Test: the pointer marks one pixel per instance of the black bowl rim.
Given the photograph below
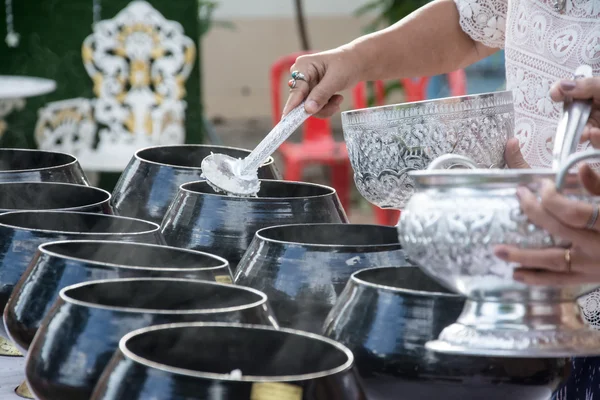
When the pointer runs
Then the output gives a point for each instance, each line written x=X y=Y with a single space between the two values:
x=226 y=377
x=43 y=250
x=86 y=187
x=73 y=161
x=155 y=226
x=360 y=282
x=64 y=296
x=137 y=156
x=258 y=235
x=331 y=190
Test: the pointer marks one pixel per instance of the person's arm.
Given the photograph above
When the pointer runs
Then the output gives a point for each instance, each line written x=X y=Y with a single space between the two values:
x=430 y=41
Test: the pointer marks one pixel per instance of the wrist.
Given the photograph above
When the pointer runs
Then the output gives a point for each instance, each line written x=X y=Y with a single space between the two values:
x=361 y=55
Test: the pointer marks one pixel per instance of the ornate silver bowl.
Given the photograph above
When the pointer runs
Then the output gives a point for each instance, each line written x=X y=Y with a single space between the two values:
x=450 y=227
x=385 y=143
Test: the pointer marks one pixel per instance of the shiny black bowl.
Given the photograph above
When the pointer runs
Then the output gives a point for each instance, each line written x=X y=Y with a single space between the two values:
x=21 y=233
x=201 y=219
x=156 y=363
x=26 y=165
x=153 y=176
x=53 y=196
x=83 y=329
x=57 y=265
x=303 y=268
x=386 y=315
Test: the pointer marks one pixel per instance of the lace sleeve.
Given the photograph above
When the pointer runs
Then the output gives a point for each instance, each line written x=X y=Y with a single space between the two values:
x=484 y=20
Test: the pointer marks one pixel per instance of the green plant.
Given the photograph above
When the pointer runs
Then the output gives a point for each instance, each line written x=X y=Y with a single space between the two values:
x=206 y=9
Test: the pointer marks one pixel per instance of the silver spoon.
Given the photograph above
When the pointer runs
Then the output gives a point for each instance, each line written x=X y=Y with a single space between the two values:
x=571 y=126
x=239 y=177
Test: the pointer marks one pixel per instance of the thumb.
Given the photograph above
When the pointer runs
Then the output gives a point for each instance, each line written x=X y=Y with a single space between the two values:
x=512 y=155
x=590 y=179
x=321 y=94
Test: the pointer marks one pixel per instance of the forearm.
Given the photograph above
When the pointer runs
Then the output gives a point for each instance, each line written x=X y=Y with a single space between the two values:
x=428 y=42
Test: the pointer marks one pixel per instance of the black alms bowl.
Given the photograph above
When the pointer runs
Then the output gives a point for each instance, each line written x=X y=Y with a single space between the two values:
x=153 y=176
x=304 y=268
x=201 y=219
x=203 y=361
x=386 y=315
x=57 y=265
x=83 y=329
x=22 y=232
x=27 y=165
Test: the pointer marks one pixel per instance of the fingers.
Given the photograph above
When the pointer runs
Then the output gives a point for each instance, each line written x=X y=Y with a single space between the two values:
x=299 y=92
x=331 y=108
x=590 y=179
x=544 y=278
x=512 y=155
x=585 y=88
x=547 y=259
x=323 y=93
x=574 y=213
x=543 y=219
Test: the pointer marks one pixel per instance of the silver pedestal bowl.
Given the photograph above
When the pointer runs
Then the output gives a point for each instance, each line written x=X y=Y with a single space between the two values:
x=385 y=143
x=450 y=227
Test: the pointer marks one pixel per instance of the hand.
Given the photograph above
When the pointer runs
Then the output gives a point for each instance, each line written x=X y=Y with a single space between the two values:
x=512 y=155
x=586 y=88
x=326 y=73
x=564 y=218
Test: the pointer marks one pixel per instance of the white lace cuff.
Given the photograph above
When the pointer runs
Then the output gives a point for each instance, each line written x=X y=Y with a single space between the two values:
x=484 y=20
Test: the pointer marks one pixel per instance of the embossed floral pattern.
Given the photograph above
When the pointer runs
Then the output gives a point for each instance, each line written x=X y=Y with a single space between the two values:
x=384 y=144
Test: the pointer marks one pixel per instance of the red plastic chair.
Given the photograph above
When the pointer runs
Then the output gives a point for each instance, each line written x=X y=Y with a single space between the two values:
x=317 y=146
x=414 y=90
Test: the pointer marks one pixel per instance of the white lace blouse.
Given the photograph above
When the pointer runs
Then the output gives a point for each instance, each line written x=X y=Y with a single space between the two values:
x=541 y=45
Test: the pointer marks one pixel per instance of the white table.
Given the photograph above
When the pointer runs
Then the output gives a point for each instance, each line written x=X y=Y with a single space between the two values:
x=15 y=89
x=12 y=374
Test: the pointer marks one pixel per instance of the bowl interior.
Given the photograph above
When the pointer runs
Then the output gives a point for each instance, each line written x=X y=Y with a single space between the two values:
x=75 y=222
x=133 y=255
x=157 y=294
x=20 y=160
x=48 y=196
x=409 y=278
x=333 y=234
x=221 y=350
x=269 y=189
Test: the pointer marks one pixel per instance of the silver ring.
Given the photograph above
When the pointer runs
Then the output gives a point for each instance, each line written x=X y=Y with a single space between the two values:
x=593 y=218
x=298 y=76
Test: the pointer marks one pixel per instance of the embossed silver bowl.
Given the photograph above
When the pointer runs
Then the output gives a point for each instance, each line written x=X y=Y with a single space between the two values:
x=450 y=227
x=385 y=143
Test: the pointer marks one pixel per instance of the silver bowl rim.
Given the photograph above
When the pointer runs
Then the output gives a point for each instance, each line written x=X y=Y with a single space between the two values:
x=330 y=189
x=43 y=249
x=227 y=377
x=261 y=297
x=138 y=157
x=260 y=232
x=455 y=99
x=155 y=226
x=421 y=293
x=457 y=178
x=73 y=160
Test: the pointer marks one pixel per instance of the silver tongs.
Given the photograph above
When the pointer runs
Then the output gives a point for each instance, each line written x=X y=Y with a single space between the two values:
x=570 y=129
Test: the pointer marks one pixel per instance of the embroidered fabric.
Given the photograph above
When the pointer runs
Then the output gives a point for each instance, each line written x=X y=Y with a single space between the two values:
x=541 y=46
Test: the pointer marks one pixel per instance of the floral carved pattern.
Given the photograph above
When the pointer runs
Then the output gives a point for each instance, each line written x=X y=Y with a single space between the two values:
x=384 y=144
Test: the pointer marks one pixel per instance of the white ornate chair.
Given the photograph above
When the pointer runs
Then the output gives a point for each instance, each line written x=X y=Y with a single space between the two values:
x=139 y=63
